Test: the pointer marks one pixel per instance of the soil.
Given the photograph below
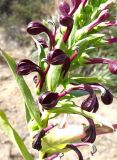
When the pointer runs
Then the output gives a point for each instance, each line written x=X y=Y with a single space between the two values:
x=11 y=103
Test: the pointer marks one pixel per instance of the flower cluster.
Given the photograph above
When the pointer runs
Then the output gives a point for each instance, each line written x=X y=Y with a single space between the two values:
x=61 y=56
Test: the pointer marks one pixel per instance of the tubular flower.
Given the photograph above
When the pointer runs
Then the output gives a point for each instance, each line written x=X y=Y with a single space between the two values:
x=84 y=2
x=102 y=17
x=110 y=23
x=112 y=64
x=64 y=8
x=66 y=21
x=58 y=57
x=37 y=138
x=48 y=100
x=26 y=66
x=90 y=132
x=35 y=28
x=75 y=4
x=112 y=40
x=42 y=42
x=106 y=95
x=74 y=148
x=91 y=103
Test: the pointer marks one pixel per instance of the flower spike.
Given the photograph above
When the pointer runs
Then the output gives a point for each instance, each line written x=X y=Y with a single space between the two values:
x=35 y=28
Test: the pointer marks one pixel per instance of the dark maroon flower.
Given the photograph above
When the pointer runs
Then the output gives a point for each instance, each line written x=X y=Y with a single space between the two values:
x=26 y=66
x=74 y=148
x=58 y=57
x=90 y=132
x=102 y=17
x=107 y=97
x=35 y=28
x=111 y=23
x=75 y=4
x=91 y=103
x=48 y=100
x=42 y=42
x=113 y=66
x=66 y=21
x=112 y=40
x=37 y=138
x=64 y=8
x=84 y=2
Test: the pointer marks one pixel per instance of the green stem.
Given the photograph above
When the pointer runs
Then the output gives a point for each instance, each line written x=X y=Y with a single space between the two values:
x=41 y=155
x=45 y=118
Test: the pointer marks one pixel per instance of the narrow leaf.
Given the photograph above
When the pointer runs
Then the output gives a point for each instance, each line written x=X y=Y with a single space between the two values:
x=13 y=136
x=28 y=98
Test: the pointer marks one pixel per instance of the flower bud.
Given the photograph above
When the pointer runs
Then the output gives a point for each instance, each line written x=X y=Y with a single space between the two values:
x=48 y=100
x=35 y=28
x=112 y=40
x=64 y=8
x=113 y=66
x=103 y=15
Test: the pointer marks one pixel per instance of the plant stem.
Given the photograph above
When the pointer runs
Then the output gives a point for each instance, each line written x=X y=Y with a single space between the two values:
x=45 y=117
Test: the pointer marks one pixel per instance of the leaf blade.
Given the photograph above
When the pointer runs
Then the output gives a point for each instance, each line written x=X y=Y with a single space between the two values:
x=28 y=98
x=14 y=137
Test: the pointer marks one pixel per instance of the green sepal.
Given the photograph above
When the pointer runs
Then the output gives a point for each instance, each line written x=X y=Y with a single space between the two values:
x=53 y=77
x=13 y=136
x=86 y=80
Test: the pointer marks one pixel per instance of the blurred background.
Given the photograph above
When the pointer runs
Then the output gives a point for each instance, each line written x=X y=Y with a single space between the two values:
x=14 y=17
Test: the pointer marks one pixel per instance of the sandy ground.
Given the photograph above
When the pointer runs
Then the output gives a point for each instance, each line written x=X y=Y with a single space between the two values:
x=11 y=102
